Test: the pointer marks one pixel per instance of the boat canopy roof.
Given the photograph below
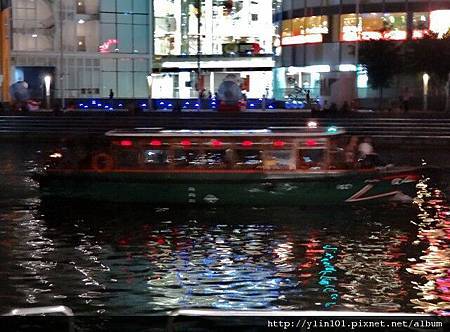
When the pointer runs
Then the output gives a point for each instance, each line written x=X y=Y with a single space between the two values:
x=269 y=132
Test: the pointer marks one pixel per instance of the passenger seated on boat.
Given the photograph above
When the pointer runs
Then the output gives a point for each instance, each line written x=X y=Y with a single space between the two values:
x=77 y=154
x=370 y=161
x=155 y=158
x=185 y=158
x=248 y=159
x=310 y=159
x=351 y=151
x=279 y=160
x=215 y=159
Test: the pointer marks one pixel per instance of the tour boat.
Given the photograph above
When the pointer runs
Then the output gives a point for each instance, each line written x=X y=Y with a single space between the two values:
x=297 y=166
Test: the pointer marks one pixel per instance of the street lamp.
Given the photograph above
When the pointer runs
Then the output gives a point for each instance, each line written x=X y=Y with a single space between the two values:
x=47 y=83
x=425 y=78
x=149 y=84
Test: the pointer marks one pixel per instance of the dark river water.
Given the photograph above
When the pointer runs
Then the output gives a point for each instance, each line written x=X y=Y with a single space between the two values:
x=128 y=260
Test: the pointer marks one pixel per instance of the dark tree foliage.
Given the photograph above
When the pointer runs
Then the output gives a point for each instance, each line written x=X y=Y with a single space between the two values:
x=382 y=60
x=429 y=55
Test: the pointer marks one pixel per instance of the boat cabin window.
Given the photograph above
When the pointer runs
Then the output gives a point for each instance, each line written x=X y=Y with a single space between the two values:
x=216 y=159
x=200 y=159
x=187 y=158
x=311 y=159
x=279 y=159
x=127 y=158
x=248 y=159
x=155 y=158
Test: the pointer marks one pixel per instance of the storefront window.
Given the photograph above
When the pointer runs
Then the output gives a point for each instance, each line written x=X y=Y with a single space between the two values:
x=439 y=22
x=222 y=23
x=421 y=24
x=303 y=30
x=389 y=26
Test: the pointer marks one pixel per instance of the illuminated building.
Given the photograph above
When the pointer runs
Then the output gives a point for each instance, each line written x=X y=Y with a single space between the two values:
x=116 y=44
x=272 y=45
x=318 y=42
x=103 y=45
x=235 y=37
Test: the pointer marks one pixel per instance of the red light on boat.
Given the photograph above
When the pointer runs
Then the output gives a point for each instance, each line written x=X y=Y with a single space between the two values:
x=155 y=142
x=279 y=144
x=247 y=143
x=311 y=142
x=216 y=143
x=126 y=142
x=186 y=142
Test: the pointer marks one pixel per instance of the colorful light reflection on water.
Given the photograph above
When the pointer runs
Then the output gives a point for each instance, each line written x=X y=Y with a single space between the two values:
x=433 y=238
x=103 y=259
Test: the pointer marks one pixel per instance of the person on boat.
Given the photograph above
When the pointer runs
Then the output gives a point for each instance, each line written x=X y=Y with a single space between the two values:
x=367 y=156
x=351 y=151
x=365 y=148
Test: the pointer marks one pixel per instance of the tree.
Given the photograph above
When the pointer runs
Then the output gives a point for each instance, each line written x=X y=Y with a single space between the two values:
x=431 y=55
x=382 y=60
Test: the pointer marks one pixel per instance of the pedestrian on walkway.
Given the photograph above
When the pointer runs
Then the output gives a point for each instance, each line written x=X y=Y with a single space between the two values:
x=405 y=100
x=111 y=94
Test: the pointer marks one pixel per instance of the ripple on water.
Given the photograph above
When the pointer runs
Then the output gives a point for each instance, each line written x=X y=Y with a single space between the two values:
x=114 y=259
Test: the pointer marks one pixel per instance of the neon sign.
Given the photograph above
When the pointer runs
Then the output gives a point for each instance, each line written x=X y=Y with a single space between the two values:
x=104 y=48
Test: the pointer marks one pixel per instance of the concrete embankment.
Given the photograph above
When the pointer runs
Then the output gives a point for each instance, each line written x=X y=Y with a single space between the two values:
x=392 y=130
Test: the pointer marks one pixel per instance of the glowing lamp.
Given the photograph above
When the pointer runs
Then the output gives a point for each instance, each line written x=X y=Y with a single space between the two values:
x=279 y=144
x=186 y=142
x=56 y=155
x=216 y=143
x=332 y=129
x=155 y=142
x=126 y=143
x=312 y=124
x=311 y=142
x=47 y=81
x=247 y=144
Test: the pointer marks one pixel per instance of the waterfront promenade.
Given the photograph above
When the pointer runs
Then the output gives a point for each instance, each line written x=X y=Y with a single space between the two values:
x=394 y=126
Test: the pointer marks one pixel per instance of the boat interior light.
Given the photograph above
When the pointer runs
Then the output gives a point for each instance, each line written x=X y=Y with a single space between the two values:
x=311 y=142
x=279 y=144
x=216 y=143
x=247 y=143
x=155 y=142
x=186 y=142
x=126 y=142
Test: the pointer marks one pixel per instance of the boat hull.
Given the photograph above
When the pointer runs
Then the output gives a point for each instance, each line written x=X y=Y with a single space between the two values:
x=231 y=188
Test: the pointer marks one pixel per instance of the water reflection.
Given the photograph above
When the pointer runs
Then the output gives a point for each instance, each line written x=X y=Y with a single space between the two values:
x=116 y=259
x=433 y=264
x=138 y=260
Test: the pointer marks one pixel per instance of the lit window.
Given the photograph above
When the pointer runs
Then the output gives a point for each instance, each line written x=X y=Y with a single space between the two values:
x=303 y=30
x=154 y=158
x=389 y=26
x=440 y=22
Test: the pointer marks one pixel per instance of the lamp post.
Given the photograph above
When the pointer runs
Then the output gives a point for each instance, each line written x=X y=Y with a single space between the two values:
x=199 y=51
x=149 y=84
x=425 y=78
x=61 y=54
x=47 y=83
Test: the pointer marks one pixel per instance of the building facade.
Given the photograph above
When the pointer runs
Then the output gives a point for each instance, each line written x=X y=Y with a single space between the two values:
x=224 y=36
x=88 y=47
x=318 y=41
